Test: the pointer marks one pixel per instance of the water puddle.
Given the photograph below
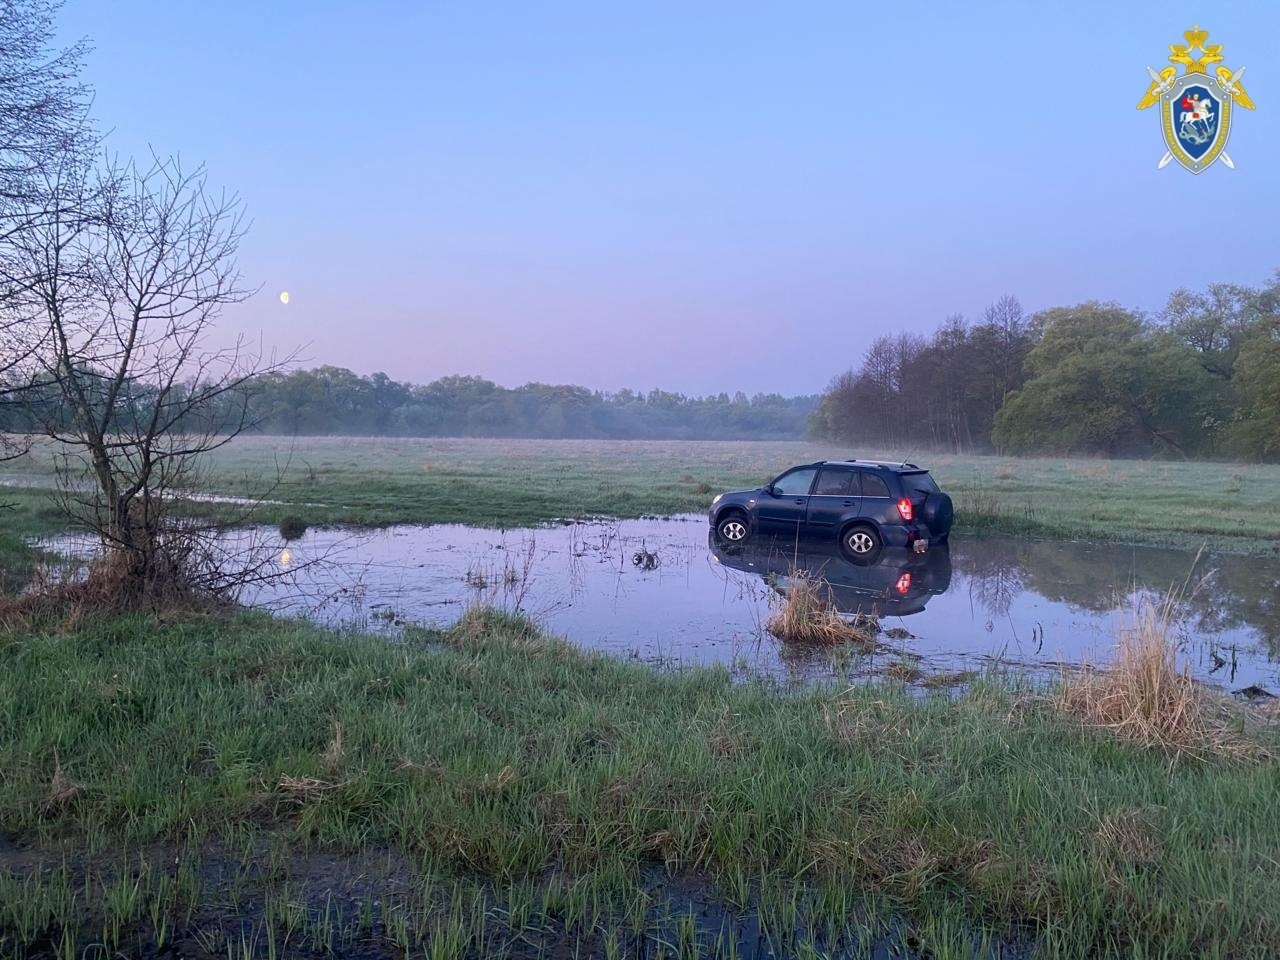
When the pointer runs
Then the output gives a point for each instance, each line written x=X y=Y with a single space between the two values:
x=660 y=591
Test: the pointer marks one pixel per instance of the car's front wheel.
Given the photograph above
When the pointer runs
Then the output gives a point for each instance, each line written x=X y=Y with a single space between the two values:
x=733 y=528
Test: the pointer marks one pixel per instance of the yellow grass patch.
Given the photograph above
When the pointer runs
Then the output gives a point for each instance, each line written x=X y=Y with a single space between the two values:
x=1145 y=697
x=807 y=615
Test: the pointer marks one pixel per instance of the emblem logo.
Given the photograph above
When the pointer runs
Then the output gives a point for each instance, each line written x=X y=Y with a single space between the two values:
x=1195 y=108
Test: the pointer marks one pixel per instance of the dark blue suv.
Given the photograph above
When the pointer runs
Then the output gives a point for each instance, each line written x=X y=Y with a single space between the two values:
x=864 y=505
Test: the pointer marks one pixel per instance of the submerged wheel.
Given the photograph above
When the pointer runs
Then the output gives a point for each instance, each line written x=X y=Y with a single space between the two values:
x=861 y=542
x=733 y=528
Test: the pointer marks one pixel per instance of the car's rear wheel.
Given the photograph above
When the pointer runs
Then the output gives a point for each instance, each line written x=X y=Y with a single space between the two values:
x=733 y=528
x=861 y=542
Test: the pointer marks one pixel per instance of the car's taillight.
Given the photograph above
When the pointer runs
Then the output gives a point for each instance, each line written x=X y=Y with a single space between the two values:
x=904 y=583
x=904 y=508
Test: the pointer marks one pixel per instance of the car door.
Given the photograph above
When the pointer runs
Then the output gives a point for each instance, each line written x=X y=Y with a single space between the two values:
x=876 y=503
x=834 y=496
x=782 y=507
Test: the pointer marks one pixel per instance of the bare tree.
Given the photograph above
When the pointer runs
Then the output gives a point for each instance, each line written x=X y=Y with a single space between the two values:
x=1001 y=344
x=43 y=126
x=127 y=280
x=43 y=104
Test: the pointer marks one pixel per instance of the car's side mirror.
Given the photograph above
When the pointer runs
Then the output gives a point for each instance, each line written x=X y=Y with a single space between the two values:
x=771 y=490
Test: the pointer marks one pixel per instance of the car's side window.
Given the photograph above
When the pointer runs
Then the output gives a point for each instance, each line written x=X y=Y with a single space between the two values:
x=796 y=483
x=874 y=486
x=833 y=482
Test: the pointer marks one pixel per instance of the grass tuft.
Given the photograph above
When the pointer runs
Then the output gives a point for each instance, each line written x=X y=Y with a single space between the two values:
x=1146 y=698
x=292 y=527
x=904 y=671
x=302 y=789
x=63 y=791
x=808 y=616
x=112 y=584
x=1127 y=837
x=336 y=752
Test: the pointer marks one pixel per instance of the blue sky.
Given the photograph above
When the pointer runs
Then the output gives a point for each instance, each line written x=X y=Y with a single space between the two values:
x=692 y=196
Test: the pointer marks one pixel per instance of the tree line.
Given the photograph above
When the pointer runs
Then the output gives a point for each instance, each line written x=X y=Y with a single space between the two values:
x=1201 y=378
x=329 y=400
x=332 y=400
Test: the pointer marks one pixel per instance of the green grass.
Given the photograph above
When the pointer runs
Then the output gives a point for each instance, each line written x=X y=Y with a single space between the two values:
x=1230 y=507
x=246 y=787
x=23 y=514
x=537 y=783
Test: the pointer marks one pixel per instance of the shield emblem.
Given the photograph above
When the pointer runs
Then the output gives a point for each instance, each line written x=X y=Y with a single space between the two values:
x=1196 y=120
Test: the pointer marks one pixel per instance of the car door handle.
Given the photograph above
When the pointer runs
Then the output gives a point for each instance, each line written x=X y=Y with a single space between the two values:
x=799 y=499
x=847 y=503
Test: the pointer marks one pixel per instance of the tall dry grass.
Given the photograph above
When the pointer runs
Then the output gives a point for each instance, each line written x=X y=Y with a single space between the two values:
x=187 y=574
x=1144 y=696
x=808 y=616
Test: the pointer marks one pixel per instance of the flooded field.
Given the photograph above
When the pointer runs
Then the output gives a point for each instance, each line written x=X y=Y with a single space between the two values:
x=660 y=591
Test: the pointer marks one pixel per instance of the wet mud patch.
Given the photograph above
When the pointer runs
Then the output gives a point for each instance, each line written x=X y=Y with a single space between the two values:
x=271 y=901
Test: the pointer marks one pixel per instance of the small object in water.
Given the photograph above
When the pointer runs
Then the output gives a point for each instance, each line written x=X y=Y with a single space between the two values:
x=899 y=633
x=292 y=528
x=644 y=559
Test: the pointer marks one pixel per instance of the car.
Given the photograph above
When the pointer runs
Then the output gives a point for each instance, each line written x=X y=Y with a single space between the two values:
x=863 y=505
x=897 y=583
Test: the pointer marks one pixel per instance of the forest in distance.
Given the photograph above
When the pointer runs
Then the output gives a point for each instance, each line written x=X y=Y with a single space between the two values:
x=334 y=401
x=331 y=400
x=1200 y=379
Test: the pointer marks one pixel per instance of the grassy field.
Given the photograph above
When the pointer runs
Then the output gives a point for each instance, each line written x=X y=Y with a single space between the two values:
x=231 y=785
x=223 y=785
x=510 y=482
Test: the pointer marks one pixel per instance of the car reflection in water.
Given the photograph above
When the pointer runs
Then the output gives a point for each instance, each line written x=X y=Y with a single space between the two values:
x=894 y=583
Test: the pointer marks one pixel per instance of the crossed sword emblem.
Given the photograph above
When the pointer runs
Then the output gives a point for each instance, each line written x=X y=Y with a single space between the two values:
x=1229 y=84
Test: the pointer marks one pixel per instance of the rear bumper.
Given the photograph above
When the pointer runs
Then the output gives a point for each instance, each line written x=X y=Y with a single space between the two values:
x=906 y=535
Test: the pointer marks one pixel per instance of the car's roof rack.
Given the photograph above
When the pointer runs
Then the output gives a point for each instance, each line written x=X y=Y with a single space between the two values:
x=899 y=465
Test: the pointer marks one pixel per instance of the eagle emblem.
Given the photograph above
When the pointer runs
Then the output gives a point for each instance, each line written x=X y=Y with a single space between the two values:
x=1195 y=108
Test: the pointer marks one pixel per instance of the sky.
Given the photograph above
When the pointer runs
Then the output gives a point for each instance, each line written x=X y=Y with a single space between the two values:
x=694 y=197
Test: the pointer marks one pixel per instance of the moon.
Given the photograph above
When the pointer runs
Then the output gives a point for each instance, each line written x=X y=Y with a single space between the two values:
x=284 y=296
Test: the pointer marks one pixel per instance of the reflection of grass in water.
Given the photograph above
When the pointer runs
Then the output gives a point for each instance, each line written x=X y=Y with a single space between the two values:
x=506 y=586
x=23 y=514
x=523 y=778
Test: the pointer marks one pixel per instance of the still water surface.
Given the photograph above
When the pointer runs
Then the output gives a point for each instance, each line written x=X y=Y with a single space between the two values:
x=659 y=590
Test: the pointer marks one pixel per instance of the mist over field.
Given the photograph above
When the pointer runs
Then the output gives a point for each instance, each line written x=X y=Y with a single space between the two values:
x=1196 y=381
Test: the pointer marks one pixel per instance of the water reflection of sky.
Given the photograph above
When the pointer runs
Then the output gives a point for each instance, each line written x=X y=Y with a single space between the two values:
x=1029 y=602
x=1025 y=601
